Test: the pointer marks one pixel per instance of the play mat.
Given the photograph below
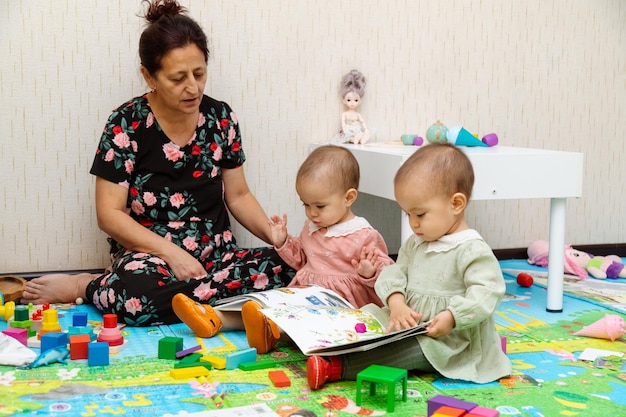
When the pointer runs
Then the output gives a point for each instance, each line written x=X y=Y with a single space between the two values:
x=549 y=377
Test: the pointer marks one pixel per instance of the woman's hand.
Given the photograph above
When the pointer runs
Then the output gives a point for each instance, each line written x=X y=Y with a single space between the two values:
x=441 y=325
x=402 y=316
x=278 y=229
x=184 y=266
x=368 y=264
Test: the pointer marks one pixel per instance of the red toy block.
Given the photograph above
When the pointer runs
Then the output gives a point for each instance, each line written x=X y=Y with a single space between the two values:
x=279 y=379
x=446 y=411
x=79 y=346
x=21 y=335
x=483 y=412
x=439 y=401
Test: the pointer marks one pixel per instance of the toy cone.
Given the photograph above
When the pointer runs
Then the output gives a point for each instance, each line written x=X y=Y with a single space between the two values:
x=611 y=327
x=465 y=138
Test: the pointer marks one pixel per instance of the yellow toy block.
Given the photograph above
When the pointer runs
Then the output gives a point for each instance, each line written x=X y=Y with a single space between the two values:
x=218 y=363
x=191 y=372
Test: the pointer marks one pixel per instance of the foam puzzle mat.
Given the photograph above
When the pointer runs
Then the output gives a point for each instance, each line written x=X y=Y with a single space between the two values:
x=549 y=377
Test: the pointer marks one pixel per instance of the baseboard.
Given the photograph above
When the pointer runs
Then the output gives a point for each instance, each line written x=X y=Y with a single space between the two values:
x=618 y=249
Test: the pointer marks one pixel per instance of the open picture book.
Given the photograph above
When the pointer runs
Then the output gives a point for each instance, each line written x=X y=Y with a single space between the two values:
x=320 y=321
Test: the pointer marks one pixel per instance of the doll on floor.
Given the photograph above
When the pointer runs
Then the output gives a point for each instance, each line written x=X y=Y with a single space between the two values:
x=352 y=90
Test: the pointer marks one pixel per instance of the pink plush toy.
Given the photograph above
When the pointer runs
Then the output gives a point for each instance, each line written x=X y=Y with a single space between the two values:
x=578 y=262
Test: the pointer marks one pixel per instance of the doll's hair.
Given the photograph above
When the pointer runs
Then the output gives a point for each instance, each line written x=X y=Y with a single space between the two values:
x=352 y=82
x=332 y=165
x=442 y=166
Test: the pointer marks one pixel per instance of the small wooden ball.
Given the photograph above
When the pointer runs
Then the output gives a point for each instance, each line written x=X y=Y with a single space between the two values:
x=524 y=280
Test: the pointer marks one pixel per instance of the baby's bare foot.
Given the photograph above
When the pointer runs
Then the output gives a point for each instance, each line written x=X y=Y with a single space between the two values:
x=56 y=288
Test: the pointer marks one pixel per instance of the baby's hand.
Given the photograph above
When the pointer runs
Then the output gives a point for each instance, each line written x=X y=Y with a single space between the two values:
x=402 y=317
x=441 y=325
x=368 y=264
x=278 y=229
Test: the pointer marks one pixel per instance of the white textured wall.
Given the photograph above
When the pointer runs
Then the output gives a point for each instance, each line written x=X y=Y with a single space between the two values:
x=541 y=73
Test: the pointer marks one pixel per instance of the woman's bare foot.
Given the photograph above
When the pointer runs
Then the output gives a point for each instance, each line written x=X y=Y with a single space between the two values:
x=56 y=288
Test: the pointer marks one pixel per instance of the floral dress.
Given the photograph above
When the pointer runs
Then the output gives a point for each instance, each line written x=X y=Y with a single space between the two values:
x=177 y=193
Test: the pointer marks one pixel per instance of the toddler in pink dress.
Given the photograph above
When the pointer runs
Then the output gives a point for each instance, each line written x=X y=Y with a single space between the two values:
x=335 y=249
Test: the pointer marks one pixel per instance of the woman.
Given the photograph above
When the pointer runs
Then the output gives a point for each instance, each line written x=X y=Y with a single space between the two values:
x=168 y=171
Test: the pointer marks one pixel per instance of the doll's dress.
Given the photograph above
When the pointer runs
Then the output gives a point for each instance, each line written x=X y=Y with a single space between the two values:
x=353 y=128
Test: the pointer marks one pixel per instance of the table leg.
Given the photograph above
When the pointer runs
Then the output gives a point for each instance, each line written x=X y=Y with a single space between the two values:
x=556 y=257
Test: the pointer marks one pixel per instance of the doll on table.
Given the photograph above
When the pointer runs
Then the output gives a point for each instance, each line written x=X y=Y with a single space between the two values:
x=353 y=128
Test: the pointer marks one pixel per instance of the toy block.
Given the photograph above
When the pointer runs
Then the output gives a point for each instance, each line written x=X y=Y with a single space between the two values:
x=447 y=411
x=79 y=346
x=51 y=340
x=21 y=313
x=98 y=353
x=79 y=319
x=217 y=362
x=190 y=372
x=503 y=343
x=50 y=322
x=6 y=310
x=386 y=375
x=185 y=352
x=180 y=365
x=483 y=412
x=254 y=365
x=110 y=331
x=88 y=330
x=21 y=324
x=279 y=378
x=21 y=335
x=168 y=346
x=191 y=358
x=234 y=359
x=439 y=401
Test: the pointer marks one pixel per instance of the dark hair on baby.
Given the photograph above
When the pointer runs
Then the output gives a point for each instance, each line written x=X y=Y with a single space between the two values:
x=168 y=28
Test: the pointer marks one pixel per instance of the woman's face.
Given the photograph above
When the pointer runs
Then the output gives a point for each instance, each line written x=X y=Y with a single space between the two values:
x=179 y=84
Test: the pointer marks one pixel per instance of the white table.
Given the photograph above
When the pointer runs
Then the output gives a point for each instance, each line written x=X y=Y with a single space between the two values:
x=501 y=173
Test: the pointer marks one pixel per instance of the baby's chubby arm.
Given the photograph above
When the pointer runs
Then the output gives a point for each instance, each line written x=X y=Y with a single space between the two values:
x=278 y=229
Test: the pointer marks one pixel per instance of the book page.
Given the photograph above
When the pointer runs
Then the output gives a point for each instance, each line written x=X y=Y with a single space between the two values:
x=309 y=295
x=332 y=330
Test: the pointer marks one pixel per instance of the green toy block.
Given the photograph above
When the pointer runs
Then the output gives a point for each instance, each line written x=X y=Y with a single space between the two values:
x=168 y=346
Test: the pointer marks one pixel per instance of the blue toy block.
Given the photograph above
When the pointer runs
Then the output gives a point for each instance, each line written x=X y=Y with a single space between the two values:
x=52 y=340
x=79 y=319
x=439 y=401
x=234 y=359
x=98 y=354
